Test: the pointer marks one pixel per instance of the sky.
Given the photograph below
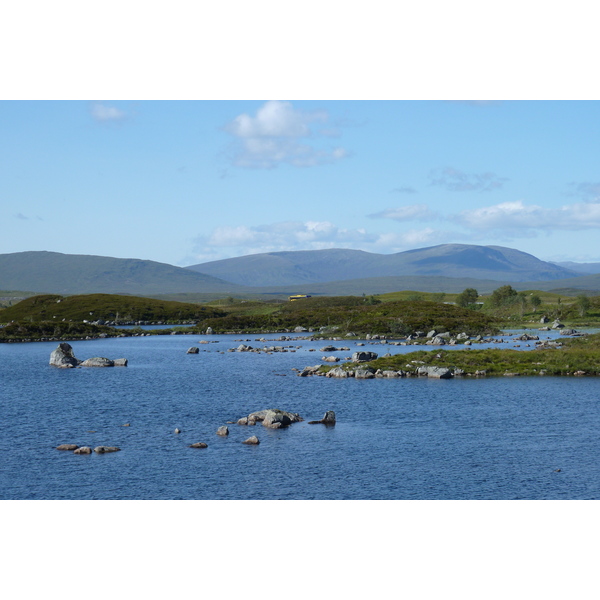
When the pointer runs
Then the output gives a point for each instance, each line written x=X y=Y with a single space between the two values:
x=186 y=182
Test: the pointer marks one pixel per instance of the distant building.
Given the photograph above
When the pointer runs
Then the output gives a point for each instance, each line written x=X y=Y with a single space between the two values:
x=298 y=297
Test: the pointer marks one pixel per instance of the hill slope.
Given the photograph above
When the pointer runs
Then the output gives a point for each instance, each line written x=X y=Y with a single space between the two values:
x=56 y=273
x=319 y=266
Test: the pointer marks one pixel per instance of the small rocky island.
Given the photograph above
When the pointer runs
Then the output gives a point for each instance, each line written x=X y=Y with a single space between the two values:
x=63 y=358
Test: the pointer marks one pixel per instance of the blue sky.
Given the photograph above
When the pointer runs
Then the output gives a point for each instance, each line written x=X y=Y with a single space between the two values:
x=184 y=182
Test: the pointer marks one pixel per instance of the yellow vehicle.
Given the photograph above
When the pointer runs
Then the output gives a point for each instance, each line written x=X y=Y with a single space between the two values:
x=298 y=297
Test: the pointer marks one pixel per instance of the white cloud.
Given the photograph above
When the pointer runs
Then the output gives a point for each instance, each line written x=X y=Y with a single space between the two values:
x=224 y=242
x=278 y=134
x=103 y=113
x=514 y=216
x=412 y=212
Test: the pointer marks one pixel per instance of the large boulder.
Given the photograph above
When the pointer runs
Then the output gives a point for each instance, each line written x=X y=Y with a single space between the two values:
x=98 y=361
x=337 y=372
x=435 y=372
x=274 y=418
x=63 y=357
x=363 y=356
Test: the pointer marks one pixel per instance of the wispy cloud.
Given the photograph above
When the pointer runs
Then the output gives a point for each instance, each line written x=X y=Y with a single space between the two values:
x=404 y=190
x=522 y=219
x=412 y=212
x=23 y=217
x=586 y=190
x=104 y=113
x=280 y=134
x=454 y=180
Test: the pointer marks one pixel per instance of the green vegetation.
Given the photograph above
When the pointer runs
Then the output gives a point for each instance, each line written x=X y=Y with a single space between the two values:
x=467 y=298
x=353 y=314
x=576 y=356
x=105 y=307
x=44 y=330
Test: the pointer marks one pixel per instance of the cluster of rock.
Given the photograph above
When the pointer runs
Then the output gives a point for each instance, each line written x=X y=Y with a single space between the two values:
x=64 y=358
x=272 y=418
x=367 y=372
x=266 y=349
x=86 y=449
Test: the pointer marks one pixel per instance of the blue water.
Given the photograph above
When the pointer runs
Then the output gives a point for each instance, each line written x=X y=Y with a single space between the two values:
x=502 y=438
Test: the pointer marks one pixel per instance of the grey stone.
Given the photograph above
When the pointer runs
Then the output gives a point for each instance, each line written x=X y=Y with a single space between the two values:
x=193 y=350
x=83 y=450
x=435 y=372
x=328 y=419
x=199 y=445
x=274 y=418
x=223 y=430
x=105 y=449
x=253 y=441
x=363 y=356
x=337 y=372
x=67 y=447
x=63 y=357
x=98 y=361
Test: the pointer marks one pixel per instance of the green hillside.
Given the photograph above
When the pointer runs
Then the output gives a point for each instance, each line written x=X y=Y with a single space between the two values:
x=107 y=307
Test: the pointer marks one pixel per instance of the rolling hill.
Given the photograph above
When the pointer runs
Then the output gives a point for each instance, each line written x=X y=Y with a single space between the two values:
x=56 y=273
x=448 y=268
x=320 y=266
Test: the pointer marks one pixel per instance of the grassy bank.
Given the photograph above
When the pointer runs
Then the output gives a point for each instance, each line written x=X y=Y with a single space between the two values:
x=576 y=356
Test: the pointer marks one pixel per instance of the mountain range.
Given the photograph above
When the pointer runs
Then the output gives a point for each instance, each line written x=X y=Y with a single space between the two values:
x=448 y=267
x=447 y=260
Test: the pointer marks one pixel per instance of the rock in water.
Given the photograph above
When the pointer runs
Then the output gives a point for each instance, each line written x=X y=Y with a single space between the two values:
x=199 y=445
x=274 y=418
x=193 y=350
x=98 y=361
x=104 y=449
x=69 y=447
x=223 y=430
x=328 y=419
x=252 y=441
x=63 y=357
x=83 y=450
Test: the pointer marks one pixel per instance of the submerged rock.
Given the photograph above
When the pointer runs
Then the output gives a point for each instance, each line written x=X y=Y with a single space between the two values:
x=67 y=447
x=252 y=441
x=328 y=419
x=98 y=361
x=199 y=445
x=105 y=449
x=274 y=418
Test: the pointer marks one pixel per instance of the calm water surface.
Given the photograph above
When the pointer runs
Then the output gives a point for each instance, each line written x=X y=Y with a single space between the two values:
x=411 y=438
